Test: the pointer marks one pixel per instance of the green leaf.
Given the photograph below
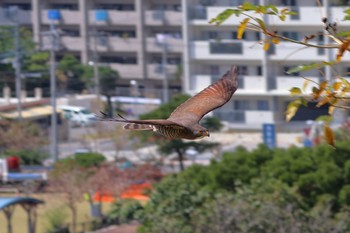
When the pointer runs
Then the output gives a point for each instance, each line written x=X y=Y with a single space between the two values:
x=223 y=16
x=261 y=23
x=242 y=27
x=293 y=107
x=295 y=91
x=309 y=67
x=347 y=14
x=329 y=135
x=247 y=6
x=273 y=8
x=344 y=33
x=325 y=118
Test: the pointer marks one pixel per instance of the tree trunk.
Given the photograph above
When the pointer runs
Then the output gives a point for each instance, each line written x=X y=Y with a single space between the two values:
x=74 y=218
x=109 y=106
x=181 y=159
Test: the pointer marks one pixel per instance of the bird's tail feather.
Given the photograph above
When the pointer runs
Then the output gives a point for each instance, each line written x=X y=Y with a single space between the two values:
x=133 y=126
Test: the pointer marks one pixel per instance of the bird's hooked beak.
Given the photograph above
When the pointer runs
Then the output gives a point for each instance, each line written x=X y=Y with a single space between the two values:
x=201 y=133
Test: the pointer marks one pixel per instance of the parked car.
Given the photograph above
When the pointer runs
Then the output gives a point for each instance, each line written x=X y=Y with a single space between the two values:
x=78 y=115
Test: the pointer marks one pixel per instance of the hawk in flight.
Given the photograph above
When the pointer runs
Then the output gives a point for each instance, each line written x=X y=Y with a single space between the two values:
x=184 y=120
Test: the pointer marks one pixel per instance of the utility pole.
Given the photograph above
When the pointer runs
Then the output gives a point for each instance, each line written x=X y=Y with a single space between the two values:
x=96 y=72
x=53 y=41
x=161 y=38
x=53 y=93
x=17 y=65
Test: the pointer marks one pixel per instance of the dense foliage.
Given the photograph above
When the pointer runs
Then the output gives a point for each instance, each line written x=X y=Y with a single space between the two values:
x=86 y=160
x=281 y=190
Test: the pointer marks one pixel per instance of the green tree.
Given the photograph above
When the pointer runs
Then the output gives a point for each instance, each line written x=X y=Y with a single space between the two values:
x=125 y=210
x=31 y=59
x=21 y=136
x=171 y=206
x=86 y=159
x=29 y=157
x=108 y=79
x=69 y=72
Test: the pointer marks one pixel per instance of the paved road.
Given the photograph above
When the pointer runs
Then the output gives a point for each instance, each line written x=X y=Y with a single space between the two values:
x=107 y=146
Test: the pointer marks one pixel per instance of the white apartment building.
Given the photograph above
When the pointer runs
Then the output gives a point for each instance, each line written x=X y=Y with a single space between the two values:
x=263 y=93
x=127 y=32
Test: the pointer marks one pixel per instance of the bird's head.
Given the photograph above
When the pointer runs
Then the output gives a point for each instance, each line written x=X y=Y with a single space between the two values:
x=201 y=133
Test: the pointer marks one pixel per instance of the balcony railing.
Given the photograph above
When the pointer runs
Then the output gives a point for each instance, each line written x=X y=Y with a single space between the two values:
x=115 y=17
x=173 y=45
x=226 y=50
x=66 y=17
x=110 y=43
x=247 y=84
x=155 y=71
x=132 y=71
x=158 y=17
x=285 y=83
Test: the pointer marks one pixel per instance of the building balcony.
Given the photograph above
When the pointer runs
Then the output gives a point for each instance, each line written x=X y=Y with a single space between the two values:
x=24 y=17
x=226 y=50
x=155 y=71
x=251 y=85
x=292 y=52
x=127 y=71
x=246 y=84
x=71 y=43
x=285 y=83
x=158 y=17
x=8 y=16
x=174 y=45
x=116 y=44
x=258 y=117
x=67 y=17
x=253 y=118
x=115 y=17
x=306 y=16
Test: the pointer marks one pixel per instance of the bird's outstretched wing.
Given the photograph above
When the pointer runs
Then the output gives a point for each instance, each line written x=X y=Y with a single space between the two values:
x=137 y=124
x=212 y=97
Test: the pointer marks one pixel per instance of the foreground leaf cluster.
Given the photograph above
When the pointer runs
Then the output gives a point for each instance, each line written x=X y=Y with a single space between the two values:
x=282 y=190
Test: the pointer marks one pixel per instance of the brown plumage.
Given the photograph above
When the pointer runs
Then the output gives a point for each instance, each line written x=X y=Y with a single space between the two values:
x=184 y=120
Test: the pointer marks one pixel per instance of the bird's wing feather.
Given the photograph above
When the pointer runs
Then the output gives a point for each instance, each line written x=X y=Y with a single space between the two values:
x=212 y=97
x=137 y=124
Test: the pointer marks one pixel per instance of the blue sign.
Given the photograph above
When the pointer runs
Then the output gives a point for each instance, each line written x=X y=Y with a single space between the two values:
x=54 y=15
x=101 y=15
x=269 y=135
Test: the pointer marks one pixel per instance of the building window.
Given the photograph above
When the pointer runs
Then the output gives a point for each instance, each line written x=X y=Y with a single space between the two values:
x=21 y=6
x=120 y=59
x=226 y=48
x=241 y=105
x=234 y=35
x=214 y=70
x=291 y=35
x=242 y=70
x=213 y=35
x=289 y=2
x=118 y=7
x=286 y=69
x=259 y=70
x=73 y=7
x=263 y=105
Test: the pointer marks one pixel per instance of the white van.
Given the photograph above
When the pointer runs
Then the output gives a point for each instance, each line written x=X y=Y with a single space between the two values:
x=78 y=115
